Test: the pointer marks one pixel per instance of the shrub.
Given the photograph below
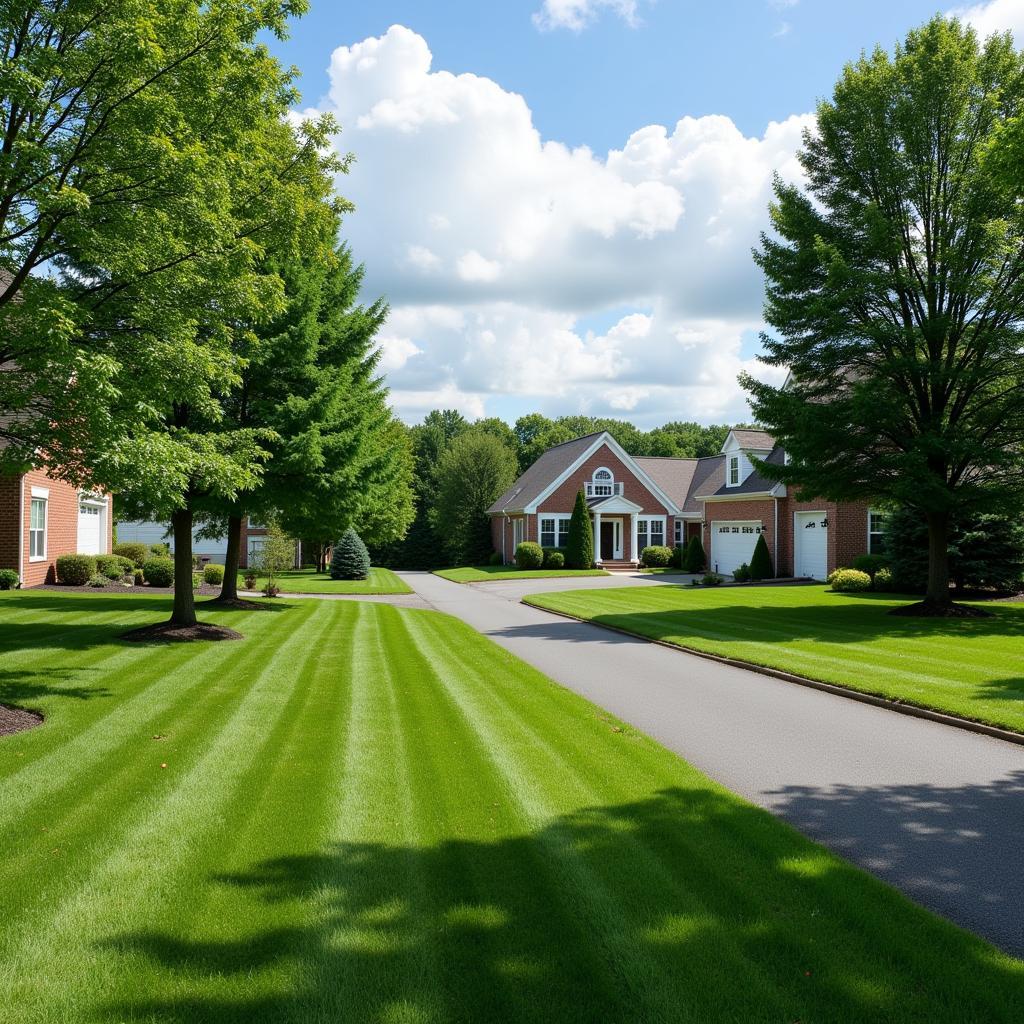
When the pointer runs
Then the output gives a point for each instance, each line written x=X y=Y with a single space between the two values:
x=350 y=560
x=114 y=566
x=250 y=580
x=741 y=574
x=554 y=560
x=139 y=577
x=159 y=572
x=161 y=550
x=75 y=570
x=761 y=562
x=695 y=560
x=850 y=581
x=883 y=580
x=495 y=558
x=98 y=580
x=213 y=574
x=870 y=564
x=712 y=579
x=656 y=556
x=579 y=549
x=678 y=556
x=134 y=551
x=529 y=555
x=8 y=579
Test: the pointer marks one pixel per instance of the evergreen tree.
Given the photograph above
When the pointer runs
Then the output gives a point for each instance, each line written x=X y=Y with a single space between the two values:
x=695 y=560
x=350 y=560
x=579 y=550
x=761 y=561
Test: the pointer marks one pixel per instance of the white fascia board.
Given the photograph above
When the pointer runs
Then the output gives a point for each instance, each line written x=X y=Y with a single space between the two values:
x=746 y=496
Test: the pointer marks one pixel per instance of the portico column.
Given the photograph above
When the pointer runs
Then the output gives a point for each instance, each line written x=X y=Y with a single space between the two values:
x=597 y=538
x=633 y=553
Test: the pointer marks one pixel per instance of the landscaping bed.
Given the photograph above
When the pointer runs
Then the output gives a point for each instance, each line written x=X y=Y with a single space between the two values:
x=973 y=668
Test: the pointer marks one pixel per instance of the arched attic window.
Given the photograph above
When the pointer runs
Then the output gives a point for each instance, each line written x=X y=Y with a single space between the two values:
x=602 y=483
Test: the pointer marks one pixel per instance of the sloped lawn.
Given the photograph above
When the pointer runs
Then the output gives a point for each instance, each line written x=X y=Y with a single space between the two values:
x=483 y=573
x=970 y=667
x=308 y=581
x=363 y=813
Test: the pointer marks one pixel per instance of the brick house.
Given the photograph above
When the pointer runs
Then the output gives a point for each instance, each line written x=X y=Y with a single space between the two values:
x=42 y=518
x=636 y=501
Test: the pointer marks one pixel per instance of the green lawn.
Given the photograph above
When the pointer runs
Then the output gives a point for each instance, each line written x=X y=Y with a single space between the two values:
x=308 y=581
x=371 y=814
x=481 y=573
x=971 y=667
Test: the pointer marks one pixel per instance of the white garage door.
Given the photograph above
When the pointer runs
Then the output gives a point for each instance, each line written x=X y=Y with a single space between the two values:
x=90 y=530
x=732 y=544
x=810 y=545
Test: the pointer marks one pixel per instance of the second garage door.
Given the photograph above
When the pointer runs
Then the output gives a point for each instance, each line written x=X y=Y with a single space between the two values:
x=732 y=544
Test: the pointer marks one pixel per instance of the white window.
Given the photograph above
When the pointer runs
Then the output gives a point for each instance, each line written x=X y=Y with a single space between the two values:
x=554 y=531
x=517 y=532
x=603 y=485
x=734 y=470
x=876 y=532
x=650 y=530
x=37 y=529
x=678 y=532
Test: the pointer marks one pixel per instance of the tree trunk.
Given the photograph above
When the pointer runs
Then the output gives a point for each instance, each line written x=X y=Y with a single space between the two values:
x=229 y=588
x=938 y=559
x=184 y=611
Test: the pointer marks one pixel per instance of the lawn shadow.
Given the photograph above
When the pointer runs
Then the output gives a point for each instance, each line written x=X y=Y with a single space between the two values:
x=17 y=687
x=687 y=905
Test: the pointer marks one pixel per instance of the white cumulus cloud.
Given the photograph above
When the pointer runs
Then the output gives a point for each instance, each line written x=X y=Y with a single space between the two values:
x=995 y=16
x=498 y=249
x=576 y=15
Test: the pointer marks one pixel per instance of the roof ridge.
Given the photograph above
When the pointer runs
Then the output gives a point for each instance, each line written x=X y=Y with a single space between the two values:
x=573 y=440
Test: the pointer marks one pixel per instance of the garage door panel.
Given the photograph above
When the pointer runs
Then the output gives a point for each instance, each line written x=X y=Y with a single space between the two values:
x=810 y=544
x=90 y=530
x=732 y=544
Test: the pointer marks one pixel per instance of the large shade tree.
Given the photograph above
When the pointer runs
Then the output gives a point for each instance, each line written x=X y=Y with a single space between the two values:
x=895 y=284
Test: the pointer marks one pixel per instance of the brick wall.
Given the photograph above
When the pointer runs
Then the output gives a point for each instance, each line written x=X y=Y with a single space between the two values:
x=564 y=497
x=757 y=510
x=500 y=525
x=10 y=488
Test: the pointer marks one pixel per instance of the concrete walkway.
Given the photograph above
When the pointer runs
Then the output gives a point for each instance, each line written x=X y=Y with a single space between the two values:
x=935 y=811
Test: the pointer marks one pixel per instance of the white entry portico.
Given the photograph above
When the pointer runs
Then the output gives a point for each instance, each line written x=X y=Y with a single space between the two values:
x=611 y=513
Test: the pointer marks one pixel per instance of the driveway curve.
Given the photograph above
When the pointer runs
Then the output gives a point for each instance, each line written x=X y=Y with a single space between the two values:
x=933 y=810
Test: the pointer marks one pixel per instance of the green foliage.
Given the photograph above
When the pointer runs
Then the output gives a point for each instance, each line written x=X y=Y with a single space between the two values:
x=75 y=570
x=712 y=579
x=656 y=556
x=350 y=560
x=695 y=560
x=529 y=555
x=761 y=561
x=883 y=580
x=8 y=579
x=870 y=564
x=138 y=576
x=579 y=548
x=475 y=469
x=162 y=550
x=849 y=581
x=554 y=558
x=678 y=556
x=741 y=574
x=98 y=580
x=159 y=572
x=495 y=558
x=277 y=554
x=134 y=551
x=893 y=284
x=213 y=574
x=114 y=567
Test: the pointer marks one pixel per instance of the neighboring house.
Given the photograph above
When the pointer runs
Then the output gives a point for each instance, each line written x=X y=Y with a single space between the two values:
x=42 y=518
x=636 y=501
x=210 y=549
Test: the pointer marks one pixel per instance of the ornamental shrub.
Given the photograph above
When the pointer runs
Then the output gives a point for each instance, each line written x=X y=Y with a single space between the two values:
x=135 y=551
x=75 y=570
x=98 y=580
x=850 y=581
x=114 y=566
x=712 y=579
x=139 y=577
x=495 y=558
x=761 y=562
x=529 y=555
x=741 y=574
x=554 y=560
x=695 y=560
x=159 y=572
x=162 y=550
x=350 y=560
x=656 y=556
x=883 y=580
x=8 y=579
x=579 y=549
x=213 y=574
x=870 y=564
x=678 y=556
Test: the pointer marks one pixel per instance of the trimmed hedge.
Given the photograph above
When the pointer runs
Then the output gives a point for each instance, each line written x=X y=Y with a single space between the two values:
x=529 y=555
x=114 y=566
x=75 y=570
x=656 y=556
x=159 y=572
x=870 y=564
x=8 y=579
x=554 y=560
x=135 y=551
x=849 y=581
x=213 y=574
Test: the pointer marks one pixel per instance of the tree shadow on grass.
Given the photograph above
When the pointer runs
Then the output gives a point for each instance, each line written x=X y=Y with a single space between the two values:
x=688 y=905
x=21 y=688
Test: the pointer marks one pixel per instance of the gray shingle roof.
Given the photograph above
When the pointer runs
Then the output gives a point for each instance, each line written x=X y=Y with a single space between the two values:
x=673 y=476
x=759 y=440
x=554 y=461
x=754 y=484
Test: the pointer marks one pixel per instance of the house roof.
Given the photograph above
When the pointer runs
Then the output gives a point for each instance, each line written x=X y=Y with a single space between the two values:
x=531 y=483
x=754 y=484
x=760 y=440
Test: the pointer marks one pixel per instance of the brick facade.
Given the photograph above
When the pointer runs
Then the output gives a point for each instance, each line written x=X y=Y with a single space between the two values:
x=62 y=502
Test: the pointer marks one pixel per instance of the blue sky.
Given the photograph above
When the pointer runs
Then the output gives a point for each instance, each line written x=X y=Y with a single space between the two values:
x=559 y=197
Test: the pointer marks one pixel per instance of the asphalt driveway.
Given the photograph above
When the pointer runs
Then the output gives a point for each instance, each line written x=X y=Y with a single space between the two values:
x=935 y=811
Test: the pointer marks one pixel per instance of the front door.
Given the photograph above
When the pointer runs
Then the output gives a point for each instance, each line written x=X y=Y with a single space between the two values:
x=607 y=541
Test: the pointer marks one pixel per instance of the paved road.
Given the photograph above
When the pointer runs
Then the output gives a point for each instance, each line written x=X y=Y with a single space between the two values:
x=936 y=811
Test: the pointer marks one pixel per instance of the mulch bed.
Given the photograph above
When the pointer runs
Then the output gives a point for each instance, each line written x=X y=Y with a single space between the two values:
x=168 y=632
x=14 y=720
x=927 y=610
